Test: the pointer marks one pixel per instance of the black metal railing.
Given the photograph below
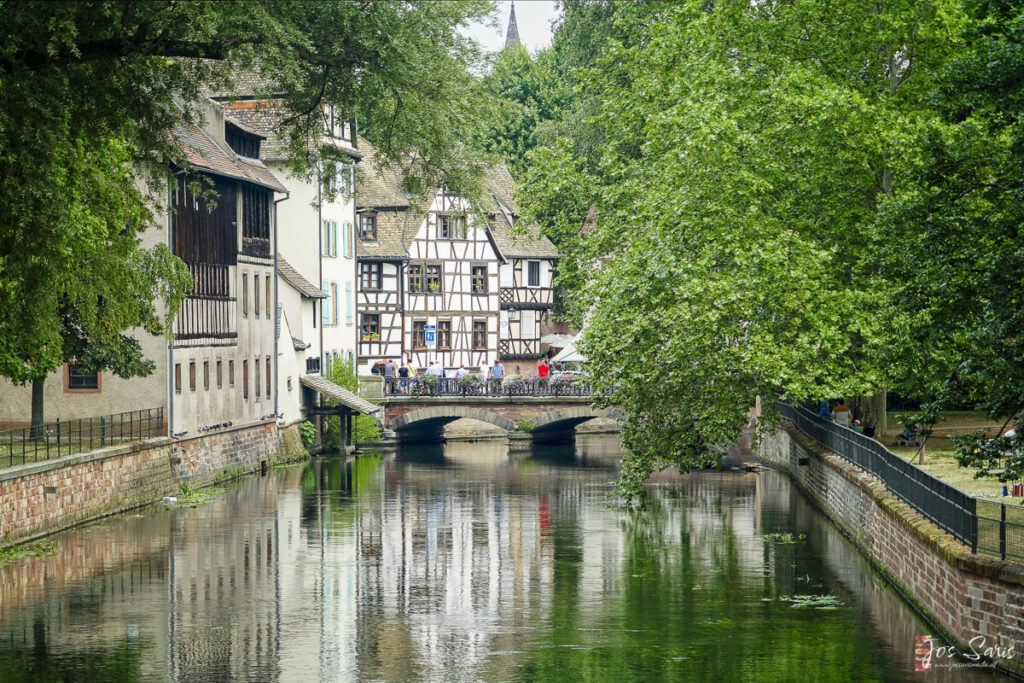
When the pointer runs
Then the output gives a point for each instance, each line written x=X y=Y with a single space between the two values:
x=65 y=437
x=427 y=387
x=986 y=526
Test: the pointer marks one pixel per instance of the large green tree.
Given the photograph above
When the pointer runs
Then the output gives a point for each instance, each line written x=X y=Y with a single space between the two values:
x=749 y=152
x=85 y=93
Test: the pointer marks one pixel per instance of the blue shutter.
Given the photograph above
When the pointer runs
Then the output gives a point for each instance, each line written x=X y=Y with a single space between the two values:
x=348 y=303
x=325 y=309
x=334 y=238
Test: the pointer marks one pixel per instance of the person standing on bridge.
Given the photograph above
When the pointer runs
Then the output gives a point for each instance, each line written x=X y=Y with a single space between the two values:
x=389 y=376
x=841 y=414
x=462 y=371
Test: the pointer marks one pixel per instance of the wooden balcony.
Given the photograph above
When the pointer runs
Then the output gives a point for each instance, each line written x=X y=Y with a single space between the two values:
x=526 y=298
x=208 y=312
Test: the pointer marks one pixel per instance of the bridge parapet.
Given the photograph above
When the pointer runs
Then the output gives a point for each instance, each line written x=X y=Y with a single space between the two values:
x=549 y=416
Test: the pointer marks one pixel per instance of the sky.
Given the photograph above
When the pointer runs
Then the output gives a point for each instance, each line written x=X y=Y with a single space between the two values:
x=533 y=17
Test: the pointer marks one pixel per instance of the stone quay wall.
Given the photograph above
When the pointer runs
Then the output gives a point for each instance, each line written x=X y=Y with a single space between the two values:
x=40 y=498
x=964 y=595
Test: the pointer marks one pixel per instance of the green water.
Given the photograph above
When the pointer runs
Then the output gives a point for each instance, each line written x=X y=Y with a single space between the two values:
x=462 y=563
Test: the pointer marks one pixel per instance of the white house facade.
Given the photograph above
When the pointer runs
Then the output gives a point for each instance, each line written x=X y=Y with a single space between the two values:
x=316 y=250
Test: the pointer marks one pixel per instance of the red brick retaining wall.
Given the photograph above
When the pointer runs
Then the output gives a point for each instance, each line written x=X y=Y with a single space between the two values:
x=965 y=595
x=44 y=497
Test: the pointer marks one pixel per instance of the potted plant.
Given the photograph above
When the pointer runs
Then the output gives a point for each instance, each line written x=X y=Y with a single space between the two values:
x=434 y=286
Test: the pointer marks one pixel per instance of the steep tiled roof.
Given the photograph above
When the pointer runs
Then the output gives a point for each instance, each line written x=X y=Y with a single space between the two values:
x=201 y=151
x=296 y=280
x=382 y=192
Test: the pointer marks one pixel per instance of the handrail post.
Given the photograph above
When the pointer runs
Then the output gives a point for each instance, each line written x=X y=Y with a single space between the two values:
x=1002 y=531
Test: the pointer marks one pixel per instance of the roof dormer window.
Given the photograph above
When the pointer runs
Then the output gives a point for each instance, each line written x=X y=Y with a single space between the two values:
x=242 y=142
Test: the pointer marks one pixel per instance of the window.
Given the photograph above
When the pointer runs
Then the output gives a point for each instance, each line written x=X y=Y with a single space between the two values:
x=245 y=380
x=419 y=334
x=206 y=375
x=231 y=372
x=434 y=278
x=369 y=275
x=269 y=367
x=346 y=179
x=370 y=326
x=415 y=277
x=220 y=373
x=245 y=295
x=528 y=324
x=330 y=177
x=533 y=273
x=479 y=279
x=256 y=293
x=368 y=226
x=255 y=221
x=192 y=375
x=257 y=376
x=479 y=334
x=177 y=378
x=348 y=303
x=451 y=227
x=76 y=379
x=444 y=334
x=267 y=309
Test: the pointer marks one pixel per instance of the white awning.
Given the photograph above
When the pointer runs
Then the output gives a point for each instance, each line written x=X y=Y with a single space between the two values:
x=557 y=340
x=342 y=395
x=569 y=354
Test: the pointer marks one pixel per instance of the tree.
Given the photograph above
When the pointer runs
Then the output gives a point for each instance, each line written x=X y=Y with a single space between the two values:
x=748 y=152
x=957 y=235
x=85 y=93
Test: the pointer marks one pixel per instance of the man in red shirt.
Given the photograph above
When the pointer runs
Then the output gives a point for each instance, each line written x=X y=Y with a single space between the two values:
x=542 y=369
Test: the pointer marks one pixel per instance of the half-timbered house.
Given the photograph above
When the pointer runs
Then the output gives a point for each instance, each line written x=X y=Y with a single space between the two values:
x=430 y=275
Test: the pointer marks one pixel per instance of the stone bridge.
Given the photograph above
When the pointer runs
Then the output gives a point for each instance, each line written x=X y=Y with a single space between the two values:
x=553 y=418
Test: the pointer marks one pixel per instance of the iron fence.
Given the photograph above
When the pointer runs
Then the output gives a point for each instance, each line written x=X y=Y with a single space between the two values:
x=986 y=526
x=424 y=386
x=64 y=437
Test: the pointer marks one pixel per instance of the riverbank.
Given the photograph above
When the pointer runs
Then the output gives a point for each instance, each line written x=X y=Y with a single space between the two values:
x=969 y=598
x=39 y=499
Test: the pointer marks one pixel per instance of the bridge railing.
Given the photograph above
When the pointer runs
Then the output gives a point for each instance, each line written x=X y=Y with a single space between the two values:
x=428 y=387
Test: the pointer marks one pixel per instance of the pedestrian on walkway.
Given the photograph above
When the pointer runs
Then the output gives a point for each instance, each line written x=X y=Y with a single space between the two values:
x=389 y=377
x=823 y=410
x=841 y=414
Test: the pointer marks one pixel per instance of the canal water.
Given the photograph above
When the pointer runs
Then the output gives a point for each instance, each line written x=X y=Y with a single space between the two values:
x=462 y=563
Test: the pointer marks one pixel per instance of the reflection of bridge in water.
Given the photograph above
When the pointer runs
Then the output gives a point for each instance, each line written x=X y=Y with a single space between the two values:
x=533 y=419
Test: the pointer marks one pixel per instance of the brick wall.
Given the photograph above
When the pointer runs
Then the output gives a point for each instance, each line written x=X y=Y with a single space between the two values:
x=44 y=497
x=963 y=594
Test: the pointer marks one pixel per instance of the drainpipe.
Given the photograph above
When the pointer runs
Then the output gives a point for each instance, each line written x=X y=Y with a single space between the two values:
x=277 y=311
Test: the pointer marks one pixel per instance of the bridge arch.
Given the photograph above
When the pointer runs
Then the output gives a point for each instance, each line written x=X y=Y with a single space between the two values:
x=433 y=420
x=562 y=422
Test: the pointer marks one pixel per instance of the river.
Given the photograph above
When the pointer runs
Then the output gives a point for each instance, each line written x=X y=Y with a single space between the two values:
x=462 y=563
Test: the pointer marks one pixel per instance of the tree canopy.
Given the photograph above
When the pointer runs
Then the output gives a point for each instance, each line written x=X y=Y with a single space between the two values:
x=788 y=200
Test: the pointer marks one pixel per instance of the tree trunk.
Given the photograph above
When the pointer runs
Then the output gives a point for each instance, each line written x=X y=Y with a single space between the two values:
x=36 y=430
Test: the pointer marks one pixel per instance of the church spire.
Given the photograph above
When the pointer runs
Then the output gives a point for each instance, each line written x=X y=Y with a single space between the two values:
x=512 y=36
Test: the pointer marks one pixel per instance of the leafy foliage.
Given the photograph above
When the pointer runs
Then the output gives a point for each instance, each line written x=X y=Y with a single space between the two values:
x=367 y=429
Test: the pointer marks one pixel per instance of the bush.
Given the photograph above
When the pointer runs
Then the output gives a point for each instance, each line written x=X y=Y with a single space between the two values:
x=526 y=425
x=561 y=381
x=514 y=383
x=471 y=382
x=308 y=432
x=424 y=385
